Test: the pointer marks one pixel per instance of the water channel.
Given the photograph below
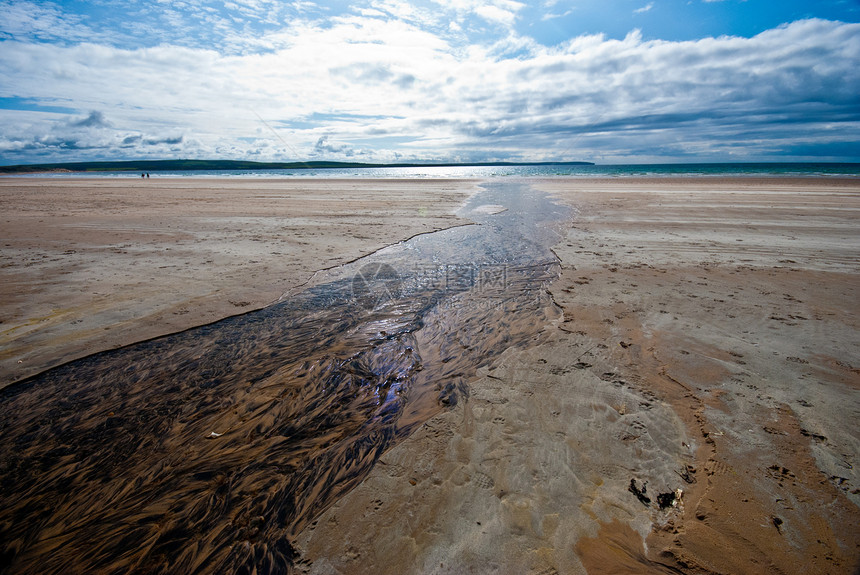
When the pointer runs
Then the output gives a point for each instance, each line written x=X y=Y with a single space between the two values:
x=207 y=451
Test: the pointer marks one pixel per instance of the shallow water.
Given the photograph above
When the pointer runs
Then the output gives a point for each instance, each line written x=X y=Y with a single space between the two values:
x=209 y=450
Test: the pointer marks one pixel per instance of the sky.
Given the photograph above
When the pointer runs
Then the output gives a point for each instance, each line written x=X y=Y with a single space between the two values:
x=606 y=81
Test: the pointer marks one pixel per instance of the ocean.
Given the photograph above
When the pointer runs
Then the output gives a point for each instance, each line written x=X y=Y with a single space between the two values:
x=465 y=171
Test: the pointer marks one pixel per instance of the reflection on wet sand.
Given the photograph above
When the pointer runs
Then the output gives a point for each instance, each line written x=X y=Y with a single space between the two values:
x=209 y=450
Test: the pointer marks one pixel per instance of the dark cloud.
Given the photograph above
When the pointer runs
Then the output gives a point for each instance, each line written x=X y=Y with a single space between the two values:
x=324 y=148
x=404 y=81
x=374 y=74
x=95 y=119
x=171 y=141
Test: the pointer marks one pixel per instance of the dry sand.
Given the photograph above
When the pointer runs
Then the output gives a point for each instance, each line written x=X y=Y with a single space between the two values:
x=709 y=348
x=92 y=264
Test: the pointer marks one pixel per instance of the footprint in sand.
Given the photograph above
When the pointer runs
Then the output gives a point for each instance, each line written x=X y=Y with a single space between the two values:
x=483 y=480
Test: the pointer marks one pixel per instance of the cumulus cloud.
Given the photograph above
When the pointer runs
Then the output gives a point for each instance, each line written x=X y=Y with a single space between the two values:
x=95 y=119
x=383 y=87
x=326 y=149
x=93 y=136
x=500 y=12
x=496 y=14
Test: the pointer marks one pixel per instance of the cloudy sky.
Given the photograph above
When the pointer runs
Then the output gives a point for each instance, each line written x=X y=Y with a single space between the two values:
x=608 y=81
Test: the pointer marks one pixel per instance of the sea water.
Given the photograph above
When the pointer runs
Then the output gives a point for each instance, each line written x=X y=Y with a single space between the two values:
x=559 y=170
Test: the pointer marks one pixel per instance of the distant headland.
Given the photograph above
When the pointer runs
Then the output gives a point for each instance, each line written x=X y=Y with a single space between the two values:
x=195 y=165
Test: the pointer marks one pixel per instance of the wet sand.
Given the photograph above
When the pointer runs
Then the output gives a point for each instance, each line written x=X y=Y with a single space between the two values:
x=93 y=264
x=209 y=450
x=706 y=359
x=693 y=411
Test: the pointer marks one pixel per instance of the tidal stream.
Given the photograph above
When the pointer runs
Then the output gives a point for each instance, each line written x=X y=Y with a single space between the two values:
x=207 y=451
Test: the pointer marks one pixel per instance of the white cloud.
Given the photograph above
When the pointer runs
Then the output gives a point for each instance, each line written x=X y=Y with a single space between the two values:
x=500 y=12
x=350 y=86
x=45 y=21
x=644 y=8
x=496 y=14
x=552 y=16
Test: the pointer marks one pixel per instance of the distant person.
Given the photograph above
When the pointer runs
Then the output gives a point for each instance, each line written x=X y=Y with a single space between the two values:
x=143 y=175
x=147 y=175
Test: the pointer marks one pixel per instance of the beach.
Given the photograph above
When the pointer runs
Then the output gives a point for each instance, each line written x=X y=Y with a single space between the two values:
x=689 y=408
x=94 y=264
x=708 y=349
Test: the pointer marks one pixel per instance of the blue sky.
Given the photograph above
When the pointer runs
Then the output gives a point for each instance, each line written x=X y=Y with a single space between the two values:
x=609 y=81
